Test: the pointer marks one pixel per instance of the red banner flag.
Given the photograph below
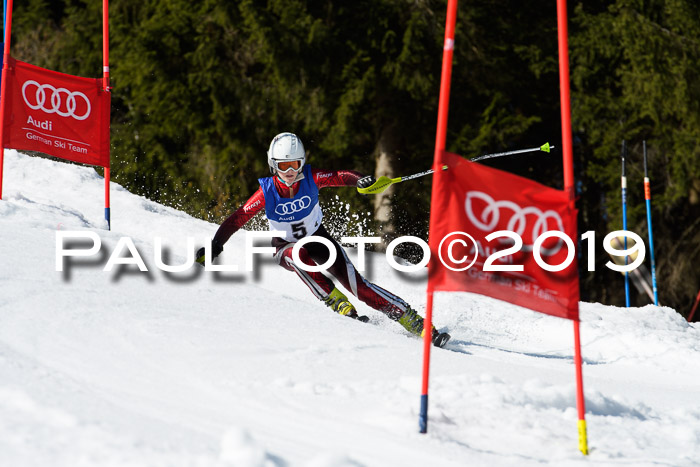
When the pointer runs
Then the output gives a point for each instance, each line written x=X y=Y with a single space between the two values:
x=61 y=115
x=520 y=263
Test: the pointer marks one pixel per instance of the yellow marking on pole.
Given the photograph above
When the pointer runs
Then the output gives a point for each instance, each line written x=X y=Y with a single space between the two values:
x=582 y=437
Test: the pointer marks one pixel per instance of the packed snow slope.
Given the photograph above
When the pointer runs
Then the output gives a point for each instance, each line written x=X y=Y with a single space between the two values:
x=125 y=367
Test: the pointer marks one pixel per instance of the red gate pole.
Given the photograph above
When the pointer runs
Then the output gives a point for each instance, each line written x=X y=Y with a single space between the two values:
x=106 y=87
x=695 y=306
x=568 y=155
x=440 y=137
x=3 y=87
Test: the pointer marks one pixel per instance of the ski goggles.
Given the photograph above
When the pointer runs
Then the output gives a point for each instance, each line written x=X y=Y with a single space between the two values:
x=286 y=166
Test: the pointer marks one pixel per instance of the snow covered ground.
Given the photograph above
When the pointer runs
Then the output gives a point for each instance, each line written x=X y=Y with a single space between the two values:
x=202 y=368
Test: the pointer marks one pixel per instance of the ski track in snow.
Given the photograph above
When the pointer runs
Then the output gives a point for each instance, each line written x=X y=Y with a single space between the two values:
x=202 y=368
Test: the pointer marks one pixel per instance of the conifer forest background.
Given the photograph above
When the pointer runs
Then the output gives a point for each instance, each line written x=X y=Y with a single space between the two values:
x=200 y=88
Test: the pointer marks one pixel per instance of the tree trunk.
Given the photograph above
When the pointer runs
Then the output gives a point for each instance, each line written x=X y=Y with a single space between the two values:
x=694 y=197
x=383 y=202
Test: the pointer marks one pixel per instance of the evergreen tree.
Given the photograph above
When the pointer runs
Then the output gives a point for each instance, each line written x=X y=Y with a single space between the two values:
x=634 y=68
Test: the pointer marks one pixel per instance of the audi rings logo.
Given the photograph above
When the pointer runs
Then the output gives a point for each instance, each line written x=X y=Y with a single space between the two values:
x=292 y=207
x=491 y=216
x=38 y=100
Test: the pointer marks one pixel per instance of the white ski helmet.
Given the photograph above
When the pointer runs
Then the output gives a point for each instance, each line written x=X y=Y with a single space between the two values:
x=285 y=147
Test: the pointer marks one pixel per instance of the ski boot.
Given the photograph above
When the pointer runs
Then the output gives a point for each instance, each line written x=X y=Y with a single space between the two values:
x=413 y=323
x=338 y=302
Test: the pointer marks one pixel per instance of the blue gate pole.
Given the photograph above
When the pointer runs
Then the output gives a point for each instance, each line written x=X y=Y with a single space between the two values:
x=624 y=221
x=647 y=198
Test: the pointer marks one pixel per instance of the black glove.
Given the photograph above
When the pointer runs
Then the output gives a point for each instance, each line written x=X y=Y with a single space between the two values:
x=366 y=181
x=216 y=250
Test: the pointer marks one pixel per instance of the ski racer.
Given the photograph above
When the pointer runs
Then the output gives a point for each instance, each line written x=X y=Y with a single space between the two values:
x=290 y=200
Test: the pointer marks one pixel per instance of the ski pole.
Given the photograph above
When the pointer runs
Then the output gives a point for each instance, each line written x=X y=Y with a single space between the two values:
x=647 y=197
x=624 y=220
x=544 y=148
x=383 y=182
